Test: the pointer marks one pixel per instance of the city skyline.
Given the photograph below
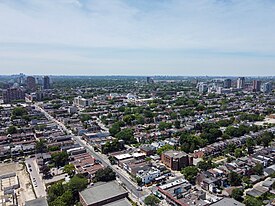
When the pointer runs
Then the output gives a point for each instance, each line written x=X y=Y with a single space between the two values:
x=213 y=38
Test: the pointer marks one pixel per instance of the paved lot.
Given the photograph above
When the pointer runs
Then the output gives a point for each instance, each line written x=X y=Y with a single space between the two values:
x=36 y=179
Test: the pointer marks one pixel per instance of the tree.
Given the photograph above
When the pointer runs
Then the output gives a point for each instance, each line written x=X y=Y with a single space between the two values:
x=112 y=146
x=19 y=111
x=190 y=173
x=173 y=115
x=40 y=146
x=266 y=138
x=230 y=148
x=205 y=165
x=12 y=130
x=151 y=200
x=191 y=142
x=58 y=201
x=177 y=124
x=67 y=198
x=77 y=184
x=54 y=191
x=60 y=158
x=127 y=135
x=139 y=118
x=164 y=125
x=250 y=145
x=105 y=175
x=234 y=179
x=258 y=169
x=164 y=149
x=66 y=194
x=114 y=129
x=69 y=169
x=139 y=181
x=238 y=152
x=45 y=170
x=237 y=194
x=85 y=117
x=112 y=160
x=251 y=201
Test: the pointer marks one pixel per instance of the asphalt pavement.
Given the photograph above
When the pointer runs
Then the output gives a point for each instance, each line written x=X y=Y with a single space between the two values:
x=36 y=179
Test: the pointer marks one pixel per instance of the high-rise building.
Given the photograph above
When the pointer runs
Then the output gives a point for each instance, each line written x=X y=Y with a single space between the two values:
x=31 y=85
x=227 y=83
x=21 y=78
x=13 y=94
x=266 y=87
x=46 y=82
x=240 y=82
x=256 y=85
x=81 y=102
x=202 y=87
x=149 y=80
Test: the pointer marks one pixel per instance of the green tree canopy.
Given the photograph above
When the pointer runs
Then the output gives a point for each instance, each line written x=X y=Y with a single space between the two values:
x=237 y=194
x=151 y=200
x=251 y=201
x=12 y=130
x=127 y=135
x=60 y=158
x=19 y=111
x=190 y=173
x=164 y=148
x=69 y=169
x=105 y=175
x=258 y=169
x=234 y=179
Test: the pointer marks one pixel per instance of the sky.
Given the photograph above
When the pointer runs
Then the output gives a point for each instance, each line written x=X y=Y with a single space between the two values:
x=138 y=37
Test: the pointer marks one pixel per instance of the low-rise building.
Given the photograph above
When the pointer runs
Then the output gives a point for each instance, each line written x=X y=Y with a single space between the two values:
x=104 y=194
x=176 y=160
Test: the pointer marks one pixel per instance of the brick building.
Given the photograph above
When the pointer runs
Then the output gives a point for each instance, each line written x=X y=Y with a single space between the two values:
x=176 y=160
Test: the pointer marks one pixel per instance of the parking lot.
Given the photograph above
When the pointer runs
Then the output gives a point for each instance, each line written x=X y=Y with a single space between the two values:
x=36 y=178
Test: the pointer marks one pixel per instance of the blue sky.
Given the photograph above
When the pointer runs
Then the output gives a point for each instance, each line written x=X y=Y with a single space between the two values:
x=138 y=37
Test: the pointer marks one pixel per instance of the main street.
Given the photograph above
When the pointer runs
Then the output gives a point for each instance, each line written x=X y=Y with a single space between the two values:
x=131 y=186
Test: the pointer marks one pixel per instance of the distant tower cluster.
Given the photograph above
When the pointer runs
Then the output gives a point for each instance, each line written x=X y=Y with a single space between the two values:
x=46 y=82
x=240 y=82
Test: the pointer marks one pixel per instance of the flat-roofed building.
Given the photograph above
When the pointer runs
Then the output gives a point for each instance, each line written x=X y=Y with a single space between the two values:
x=37 y=202
x=176 y=160
x=110 y=193
x=81 y=102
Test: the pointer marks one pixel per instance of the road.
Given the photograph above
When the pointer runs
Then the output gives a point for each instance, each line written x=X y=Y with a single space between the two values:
x=36 y=179
x=131 y=187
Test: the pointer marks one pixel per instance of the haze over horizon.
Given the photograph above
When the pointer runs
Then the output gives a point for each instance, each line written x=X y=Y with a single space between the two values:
x=127 y=37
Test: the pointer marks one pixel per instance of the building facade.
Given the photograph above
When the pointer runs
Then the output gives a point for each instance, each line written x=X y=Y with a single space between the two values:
x=256 y=85
x=31 y=85
x=227 y=83
x=240 y=82
x=13 y=94
x=46 y=82
x=176 y=160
